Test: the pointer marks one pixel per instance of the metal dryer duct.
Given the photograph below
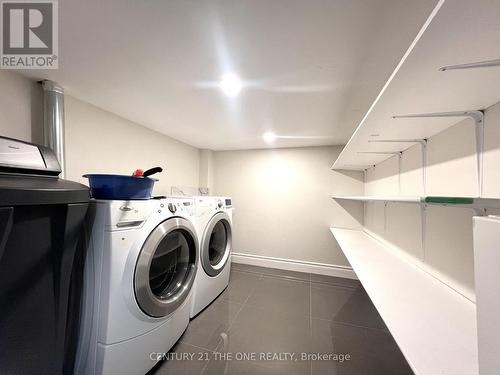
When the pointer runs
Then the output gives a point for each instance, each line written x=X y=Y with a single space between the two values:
x=53 y=121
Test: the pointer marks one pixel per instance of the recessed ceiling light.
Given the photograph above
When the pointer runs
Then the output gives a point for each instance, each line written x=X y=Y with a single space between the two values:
x=230 y=84
x=269 y=137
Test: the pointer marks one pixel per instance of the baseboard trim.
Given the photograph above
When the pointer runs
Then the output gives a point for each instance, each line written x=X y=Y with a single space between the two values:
x=294 y=265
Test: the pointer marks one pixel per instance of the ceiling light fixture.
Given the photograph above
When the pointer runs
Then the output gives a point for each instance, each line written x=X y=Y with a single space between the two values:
x=230 y=84
x=269 y=137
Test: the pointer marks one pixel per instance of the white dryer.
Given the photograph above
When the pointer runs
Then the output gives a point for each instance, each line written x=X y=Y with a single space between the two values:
x=140 y=269
x=214 y=225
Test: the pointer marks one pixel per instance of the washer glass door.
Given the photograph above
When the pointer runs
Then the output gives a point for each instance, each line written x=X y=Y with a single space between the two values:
x=166 y=267
x=216 y=246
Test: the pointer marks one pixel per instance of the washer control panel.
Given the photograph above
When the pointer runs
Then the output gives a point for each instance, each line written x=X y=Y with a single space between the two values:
x=181 y=206
x=172 y=208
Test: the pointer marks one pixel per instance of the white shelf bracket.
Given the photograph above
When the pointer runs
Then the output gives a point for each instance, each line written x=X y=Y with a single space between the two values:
x=478 y=118
x=365 y=179
x=380 y=153
x=474 y=65
x=479 y=130
x=400 y=163
x=422 y=142
x=365 y=204
x=480 y=211
x=398 y=153
x=350 y=167
x=385 y=217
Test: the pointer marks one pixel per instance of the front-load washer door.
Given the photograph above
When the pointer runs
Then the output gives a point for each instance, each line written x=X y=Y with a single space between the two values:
x=216 y=244
x=166 y=267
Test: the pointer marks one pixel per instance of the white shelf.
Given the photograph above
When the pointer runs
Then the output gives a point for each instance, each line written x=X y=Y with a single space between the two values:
x=434 y=326
x=469 y=202
x=460 y=31
x=379 y=199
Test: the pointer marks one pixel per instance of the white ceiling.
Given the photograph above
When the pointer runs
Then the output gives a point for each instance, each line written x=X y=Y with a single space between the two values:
x=311 y=68
x=462 y=31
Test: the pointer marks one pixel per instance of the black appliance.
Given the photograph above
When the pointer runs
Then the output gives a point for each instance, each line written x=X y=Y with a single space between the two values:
x=42 y=252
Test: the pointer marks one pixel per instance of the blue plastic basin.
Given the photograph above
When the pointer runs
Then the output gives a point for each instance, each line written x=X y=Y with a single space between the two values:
x=120 y=187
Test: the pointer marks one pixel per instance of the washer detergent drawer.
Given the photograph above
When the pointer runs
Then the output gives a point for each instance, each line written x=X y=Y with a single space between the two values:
x=129 y=214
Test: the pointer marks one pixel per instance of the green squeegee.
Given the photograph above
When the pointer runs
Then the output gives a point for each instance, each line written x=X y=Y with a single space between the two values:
x=447 y=200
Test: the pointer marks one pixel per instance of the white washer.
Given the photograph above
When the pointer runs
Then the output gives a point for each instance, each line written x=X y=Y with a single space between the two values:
x=140 y=269
x=214 y=226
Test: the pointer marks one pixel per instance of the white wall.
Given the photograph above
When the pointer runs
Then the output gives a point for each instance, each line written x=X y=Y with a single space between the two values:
x=282 y=197
x=447 y=249
x=206 y=179
x=282 y=202
x=98 y=141
x=20 y=107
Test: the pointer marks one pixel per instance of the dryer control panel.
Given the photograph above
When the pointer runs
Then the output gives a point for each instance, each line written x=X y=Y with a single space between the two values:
x=223 y=203
x=210 y=204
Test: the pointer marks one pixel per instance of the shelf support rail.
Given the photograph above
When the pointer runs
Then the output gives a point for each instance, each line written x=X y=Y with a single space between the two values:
x=478 y=118
x=422 y=142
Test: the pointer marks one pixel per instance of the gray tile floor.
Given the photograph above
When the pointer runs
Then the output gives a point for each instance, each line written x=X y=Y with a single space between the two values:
x=266 y=312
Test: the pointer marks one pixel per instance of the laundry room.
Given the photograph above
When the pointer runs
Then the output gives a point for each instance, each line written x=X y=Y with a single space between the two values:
x=299 y=187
